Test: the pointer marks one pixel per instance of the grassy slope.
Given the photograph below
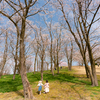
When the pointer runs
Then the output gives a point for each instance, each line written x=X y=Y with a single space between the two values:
x=63 y=86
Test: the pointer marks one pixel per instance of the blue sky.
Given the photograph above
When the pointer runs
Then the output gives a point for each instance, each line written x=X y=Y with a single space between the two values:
x=38 y=20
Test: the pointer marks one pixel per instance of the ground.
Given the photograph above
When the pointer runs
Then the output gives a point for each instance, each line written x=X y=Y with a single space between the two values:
x=81 y=69
x=60 y=90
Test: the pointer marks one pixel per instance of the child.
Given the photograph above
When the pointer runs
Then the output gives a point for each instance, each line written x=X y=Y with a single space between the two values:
x=46 y=87
x=40 y=87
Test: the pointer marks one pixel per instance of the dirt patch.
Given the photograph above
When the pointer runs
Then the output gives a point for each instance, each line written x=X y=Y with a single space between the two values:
x=81 y=69
x=12 y=95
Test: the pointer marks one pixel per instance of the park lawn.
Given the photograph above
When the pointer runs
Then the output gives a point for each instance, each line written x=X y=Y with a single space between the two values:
x=63 y=86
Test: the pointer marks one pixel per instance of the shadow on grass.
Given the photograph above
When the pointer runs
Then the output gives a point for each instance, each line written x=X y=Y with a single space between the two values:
x=8 y=84
x=34 y=77
x=19 y=93
x=65 y=77
x=77 y=91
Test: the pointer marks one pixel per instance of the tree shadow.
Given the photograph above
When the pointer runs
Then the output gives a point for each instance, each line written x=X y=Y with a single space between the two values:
x=77 y=91
x=19 y=93
x=66 y=77
x=10 y=85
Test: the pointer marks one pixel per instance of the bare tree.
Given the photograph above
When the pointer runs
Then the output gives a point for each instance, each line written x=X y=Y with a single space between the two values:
x=28 y=65
x=42 y=42
x=35 y=61
x=57 y=45
x=22 y=10
x=78 y=58
x=83 y=27
x=14 y=52
x=69 y=53
x=49 y=27
x=3 y=62
x=36 y=49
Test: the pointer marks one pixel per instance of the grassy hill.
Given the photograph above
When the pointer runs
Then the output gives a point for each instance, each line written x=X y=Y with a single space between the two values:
x=63 y=86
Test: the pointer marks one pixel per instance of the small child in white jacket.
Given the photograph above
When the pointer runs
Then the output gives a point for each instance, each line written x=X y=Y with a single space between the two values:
x=46 y=87
x=40 y=87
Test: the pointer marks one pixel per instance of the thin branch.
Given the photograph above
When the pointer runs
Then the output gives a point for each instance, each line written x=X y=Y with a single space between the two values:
x=93 y=18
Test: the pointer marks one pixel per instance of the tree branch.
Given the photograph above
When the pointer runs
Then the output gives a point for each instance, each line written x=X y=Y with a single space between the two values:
x=93 y=18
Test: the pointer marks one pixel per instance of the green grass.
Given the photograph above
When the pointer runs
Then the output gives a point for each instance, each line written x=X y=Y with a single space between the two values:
x=66 y=82
x=7 y=84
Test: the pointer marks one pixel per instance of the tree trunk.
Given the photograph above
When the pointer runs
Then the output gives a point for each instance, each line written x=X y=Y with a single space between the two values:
x=35 y=63
x=1 y=73
x=42 y=69
x=15 y=69
x=4 y=55
x=16 y=55
x=39 y=66
x=91 y=76
x=71 y=57
x=47 y=66
x=94 y=75
x=27 y=89
x=92 y=63
x=86 y=66
x=57 y=64
x=89 y=72
x=52 y=68
x=69 y=65
x=51 y=59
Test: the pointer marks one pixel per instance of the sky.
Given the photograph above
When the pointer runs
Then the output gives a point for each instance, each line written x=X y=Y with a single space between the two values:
x=38 y=18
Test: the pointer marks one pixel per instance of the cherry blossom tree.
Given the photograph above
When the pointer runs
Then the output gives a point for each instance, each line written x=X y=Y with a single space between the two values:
x=79 y=20
x=22 y=9
x=49 y=27
x=78 y=58
x=42 y=42
x=68 y=49
x=3 y=61
x=57 y=45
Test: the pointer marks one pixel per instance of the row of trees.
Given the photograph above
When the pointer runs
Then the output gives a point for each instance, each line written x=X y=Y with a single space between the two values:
x=84 y=15
x=75 y=36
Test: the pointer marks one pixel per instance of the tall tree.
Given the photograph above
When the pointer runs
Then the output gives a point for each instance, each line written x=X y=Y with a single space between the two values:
x=42 y=42
x=3 y=62
x=83 y=17
x=57 y=45
x=49 y=27
x=22 y=9
x=68 y=49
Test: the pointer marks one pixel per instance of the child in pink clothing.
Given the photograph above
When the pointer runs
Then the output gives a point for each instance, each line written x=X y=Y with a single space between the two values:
x=46 y=87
